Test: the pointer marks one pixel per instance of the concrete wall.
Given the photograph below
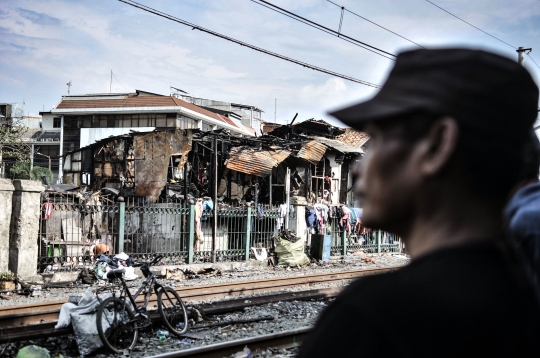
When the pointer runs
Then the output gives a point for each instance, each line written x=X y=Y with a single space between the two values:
x=25 y=219
x=47 y=120
x=6 y=193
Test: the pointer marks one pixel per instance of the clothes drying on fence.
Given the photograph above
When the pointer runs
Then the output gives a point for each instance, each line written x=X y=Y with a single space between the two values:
x=311 y=217
x=198 y=225
x=353 y=216
x=282 y=212
x=207 y=205
x=345 y=221
x=47 y=211
x=322 y=216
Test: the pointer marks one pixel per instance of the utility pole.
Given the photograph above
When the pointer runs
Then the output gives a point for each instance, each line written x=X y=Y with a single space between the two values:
x=110 y=85
x=69 y=86
x=275 y=111
x=521 y=54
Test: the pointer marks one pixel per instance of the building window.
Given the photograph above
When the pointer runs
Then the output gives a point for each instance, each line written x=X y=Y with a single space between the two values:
x=186 y=122
x=57 y=122
x=207 y=127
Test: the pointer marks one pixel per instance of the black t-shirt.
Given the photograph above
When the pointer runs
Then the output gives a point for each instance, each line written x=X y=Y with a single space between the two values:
x=456 y=302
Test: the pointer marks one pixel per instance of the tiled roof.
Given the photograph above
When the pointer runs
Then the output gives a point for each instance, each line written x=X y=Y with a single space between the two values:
x=195 y=108
x=352 y=137
x=143 y=101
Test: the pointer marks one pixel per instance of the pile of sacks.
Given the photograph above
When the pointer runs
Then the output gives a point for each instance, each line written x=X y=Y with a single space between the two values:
x=290 y=249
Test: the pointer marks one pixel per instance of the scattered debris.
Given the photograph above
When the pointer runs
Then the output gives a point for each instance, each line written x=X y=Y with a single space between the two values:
x=179 y=274
x=369 y=260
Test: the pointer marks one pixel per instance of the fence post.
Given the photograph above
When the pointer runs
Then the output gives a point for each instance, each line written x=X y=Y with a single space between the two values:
x=24 y=228
x=378 y=241
x=6 y=195
x=191 y=220
x=121 y=223
x=248 y=231
x=343 y=235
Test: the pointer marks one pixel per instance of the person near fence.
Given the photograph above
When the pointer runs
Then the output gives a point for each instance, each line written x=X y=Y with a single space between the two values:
x=446 y=136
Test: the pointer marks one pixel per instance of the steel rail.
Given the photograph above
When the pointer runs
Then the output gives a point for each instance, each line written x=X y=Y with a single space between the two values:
x=16 y=321
x=48 y=311
x=285 y=339
x=35 y=331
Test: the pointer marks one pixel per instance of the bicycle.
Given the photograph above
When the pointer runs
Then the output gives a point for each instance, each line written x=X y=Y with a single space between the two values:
x=119 y=319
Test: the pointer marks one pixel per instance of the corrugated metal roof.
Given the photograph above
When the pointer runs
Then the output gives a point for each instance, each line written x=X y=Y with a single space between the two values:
x=337 y=145
x=255 y=162
x=312 y=152
x=352 y=137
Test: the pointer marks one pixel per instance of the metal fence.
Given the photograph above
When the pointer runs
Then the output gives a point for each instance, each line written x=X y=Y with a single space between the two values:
x=70 y=226
x=74 y=225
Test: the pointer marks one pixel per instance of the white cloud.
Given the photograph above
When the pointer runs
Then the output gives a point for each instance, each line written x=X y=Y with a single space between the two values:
x=58 y=40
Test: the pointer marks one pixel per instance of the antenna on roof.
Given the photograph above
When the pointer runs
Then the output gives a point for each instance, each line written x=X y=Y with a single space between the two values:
x=69 y=86
x=178 y=91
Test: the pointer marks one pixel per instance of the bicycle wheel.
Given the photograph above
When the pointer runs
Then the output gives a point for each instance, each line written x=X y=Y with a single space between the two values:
x=116 y=325
x=172 y=311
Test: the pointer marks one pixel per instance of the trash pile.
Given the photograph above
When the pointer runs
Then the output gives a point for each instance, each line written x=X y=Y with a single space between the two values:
x=104 y=264
x=187 y=274
x=80 y=313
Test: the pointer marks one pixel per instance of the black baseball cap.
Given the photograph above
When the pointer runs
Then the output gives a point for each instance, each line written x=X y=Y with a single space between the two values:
x=484 y=91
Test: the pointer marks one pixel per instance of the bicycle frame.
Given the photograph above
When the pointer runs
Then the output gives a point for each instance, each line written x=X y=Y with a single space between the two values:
x=151 y=283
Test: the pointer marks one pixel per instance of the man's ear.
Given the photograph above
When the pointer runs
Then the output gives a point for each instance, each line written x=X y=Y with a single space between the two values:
x=438 y=146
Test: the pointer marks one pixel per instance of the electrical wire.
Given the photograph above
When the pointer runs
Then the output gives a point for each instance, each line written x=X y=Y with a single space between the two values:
x=468 y=23
x=532 y=59
x=119 y=81
x=320 y=27
x=196 y=27
x=374 y=23
x=479 y=29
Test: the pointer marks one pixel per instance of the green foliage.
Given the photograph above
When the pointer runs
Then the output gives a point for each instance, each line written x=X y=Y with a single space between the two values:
x=42 y=174
x=20 y=170
x=7 y=276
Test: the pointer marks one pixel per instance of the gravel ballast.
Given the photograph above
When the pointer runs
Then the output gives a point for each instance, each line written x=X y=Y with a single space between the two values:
x=286 y=315
x=242 y=273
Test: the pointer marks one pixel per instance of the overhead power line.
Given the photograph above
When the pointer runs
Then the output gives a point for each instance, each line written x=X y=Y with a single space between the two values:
x=533 y=61
x=322 y=28
x=196 y=27
x=479 y=29
x=374 y=23
x=468 y=23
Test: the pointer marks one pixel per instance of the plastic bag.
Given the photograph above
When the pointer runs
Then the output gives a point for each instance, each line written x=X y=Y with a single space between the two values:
x=290 y=253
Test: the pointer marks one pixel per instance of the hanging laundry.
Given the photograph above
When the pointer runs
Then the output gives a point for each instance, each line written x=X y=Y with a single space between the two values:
x=47 y=211
x=345 y=220
x=208 y=205
x=282 y=213
x=198 y=224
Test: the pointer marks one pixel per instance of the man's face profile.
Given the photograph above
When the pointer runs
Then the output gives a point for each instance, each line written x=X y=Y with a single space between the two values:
x=386 y=178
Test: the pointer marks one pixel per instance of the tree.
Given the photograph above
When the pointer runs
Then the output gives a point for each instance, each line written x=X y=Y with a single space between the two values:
x=42 y=174
x=12 y=131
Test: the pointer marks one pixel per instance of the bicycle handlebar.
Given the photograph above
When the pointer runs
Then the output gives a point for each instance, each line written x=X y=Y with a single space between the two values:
x=156 y=259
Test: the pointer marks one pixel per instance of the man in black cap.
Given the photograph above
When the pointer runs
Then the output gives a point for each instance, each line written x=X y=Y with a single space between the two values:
x=447 y=131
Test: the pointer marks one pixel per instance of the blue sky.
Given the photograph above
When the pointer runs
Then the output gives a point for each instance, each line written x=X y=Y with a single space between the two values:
x=47 y=43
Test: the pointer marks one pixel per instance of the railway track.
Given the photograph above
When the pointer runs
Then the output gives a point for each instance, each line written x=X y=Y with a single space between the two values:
x=281 y=340
x=31 y=321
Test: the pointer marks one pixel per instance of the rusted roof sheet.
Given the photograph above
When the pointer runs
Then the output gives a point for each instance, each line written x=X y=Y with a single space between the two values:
x=337 y=145
x=312 y=152
x=352 y=137
x=255 y=162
